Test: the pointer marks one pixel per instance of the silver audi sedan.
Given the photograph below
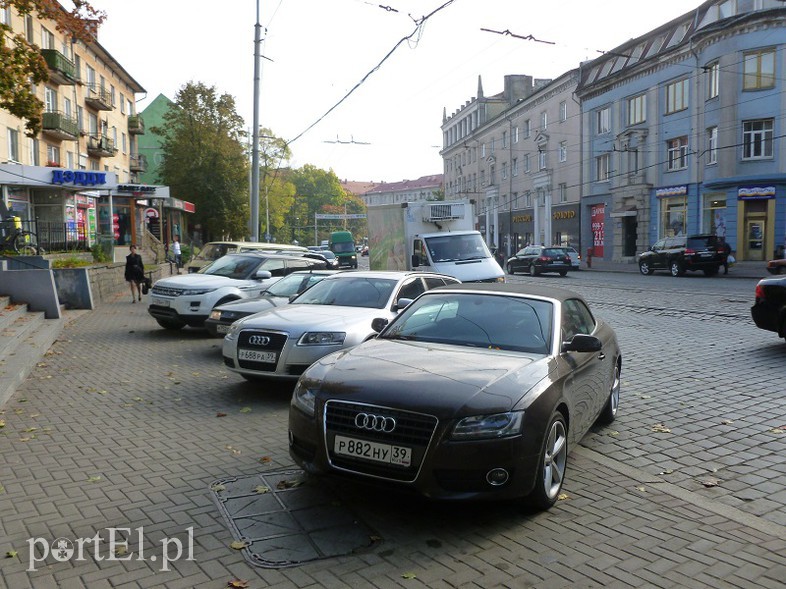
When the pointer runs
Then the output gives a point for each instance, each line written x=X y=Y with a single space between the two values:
x=334 y=314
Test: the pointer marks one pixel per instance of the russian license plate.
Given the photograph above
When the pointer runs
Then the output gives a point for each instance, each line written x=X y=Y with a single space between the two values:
x=372 y=451
x=159 y=302
x=257 y=356
x=222 y=328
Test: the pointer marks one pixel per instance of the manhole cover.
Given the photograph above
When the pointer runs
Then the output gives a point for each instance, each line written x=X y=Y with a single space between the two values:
x=285 y=519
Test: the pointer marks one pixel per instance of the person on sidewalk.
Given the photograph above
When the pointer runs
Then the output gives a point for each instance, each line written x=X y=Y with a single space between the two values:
x=726 y=255
x=177 y=252
x=135 y=273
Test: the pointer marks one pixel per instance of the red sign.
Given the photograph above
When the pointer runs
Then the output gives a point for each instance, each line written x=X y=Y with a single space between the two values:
x=151 y=213
x=598 y=221
x=116 y=225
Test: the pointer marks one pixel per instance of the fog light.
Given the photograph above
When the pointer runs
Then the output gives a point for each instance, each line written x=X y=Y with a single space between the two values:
x=497 y=476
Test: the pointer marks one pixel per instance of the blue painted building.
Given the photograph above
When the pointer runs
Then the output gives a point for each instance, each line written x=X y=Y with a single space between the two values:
x=683 y=133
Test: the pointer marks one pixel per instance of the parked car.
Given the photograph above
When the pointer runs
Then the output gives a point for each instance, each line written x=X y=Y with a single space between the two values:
x=777 y=266
x=680 y=254
x=214 y=250
x=769 y=308
x=332 y=315
x=474 y=391
x=575 y=258
x=539 y=259
x=178 y=301
x=330 y=258
x=280 y=293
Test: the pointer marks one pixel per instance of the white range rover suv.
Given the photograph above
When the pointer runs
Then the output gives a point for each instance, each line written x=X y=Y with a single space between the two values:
x=187 y=299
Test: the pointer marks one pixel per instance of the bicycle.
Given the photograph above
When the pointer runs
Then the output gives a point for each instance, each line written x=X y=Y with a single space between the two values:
x=23 y=242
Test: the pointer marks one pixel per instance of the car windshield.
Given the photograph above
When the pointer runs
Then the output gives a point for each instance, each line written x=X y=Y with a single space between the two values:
x=328 y=254
x=477 y=320
x=238 y=267
x=452 y=248
x=343 y=247
x=213 y=251
x=292 y=284
x=350 y=291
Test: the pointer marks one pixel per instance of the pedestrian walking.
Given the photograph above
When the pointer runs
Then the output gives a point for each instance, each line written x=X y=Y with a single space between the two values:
x=728 y=259
x=176 y=251
x=135 y=274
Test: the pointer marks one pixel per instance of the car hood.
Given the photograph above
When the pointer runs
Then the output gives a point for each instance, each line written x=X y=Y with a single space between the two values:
x=201 y=281
x=251 y=306
x=294 y=317
x=444 y=380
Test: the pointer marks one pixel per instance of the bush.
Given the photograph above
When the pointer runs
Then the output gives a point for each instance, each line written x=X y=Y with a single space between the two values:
x=100 y=253
x=72 y=262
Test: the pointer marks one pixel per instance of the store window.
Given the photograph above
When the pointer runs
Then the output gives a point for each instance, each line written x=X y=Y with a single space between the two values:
x=673 y=216
x=714 y=214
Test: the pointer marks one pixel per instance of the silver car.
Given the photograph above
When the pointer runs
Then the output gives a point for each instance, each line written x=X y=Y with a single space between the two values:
x=334 y=314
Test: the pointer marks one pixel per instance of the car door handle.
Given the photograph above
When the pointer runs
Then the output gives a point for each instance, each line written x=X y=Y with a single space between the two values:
x=601 y=356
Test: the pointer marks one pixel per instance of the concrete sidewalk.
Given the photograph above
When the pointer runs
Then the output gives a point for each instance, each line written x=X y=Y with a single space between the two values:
x=737 y=270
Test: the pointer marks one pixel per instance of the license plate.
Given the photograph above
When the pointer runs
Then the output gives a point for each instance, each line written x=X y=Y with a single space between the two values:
x=388 y=453
x=160 y=302
x=222 y=328
x=257 y=356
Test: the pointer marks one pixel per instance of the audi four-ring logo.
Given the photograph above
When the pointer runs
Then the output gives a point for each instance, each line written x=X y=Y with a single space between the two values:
x=375 y=423
x=259 y=340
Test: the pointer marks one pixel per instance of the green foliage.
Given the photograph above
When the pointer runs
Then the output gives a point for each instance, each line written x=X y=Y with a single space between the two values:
x=70 y=262
x=100 y=253
x=204 y=159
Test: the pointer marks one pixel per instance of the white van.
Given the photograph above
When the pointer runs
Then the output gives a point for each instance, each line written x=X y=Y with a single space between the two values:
x=217 y=249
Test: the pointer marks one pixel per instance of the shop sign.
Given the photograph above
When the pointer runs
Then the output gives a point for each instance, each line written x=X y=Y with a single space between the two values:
x=78 y=177
x=522 y=218
x=671 y=191
x=755 y=192
x=151 y=213
x=598 y=222
x=563 y=215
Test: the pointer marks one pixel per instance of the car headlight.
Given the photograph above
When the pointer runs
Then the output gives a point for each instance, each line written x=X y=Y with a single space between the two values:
x=304 y=399
x=322 y=338
x=215 y=315
x=190 y=292
x=234 y=329
x=499 y=425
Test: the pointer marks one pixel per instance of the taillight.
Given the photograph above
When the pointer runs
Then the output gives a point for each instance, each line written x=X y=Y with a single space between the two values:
x=690 y=251
x=544 y=259
x=759 y=292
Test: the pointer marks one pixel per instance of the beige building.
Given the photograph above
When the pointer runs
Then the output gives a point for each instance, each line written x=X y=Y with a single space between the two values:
x=78 y=179
x=517 y=155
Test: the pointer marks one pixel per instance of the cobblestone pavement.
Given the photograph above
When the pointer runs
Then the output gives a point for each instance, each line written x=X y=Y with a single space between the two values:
x=125 y=425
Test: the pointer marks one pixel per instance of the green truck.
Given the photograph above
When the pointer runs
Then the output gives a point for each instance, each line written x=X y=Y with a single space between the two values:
x=343 y=245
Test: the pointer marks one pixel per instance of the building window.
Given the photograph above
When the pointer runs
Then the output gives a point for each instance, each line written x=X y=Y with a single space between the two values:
x=563 y=192
x=712 y=145
x=515 y=167
x=527 y=129
x=91 y=77
x=713 y=79
x=123 y=142
x=563 y=111
x=483 y=151
x=80 y=118
x=674 y=212
x=759 y=70
x=504 y=139
x=563 y=151
x=504 y=170
x=637 y=109
x=544 y=120
x=47 y=39
x=526 y=163
x=677 y=153
x=757 y=139
x=35 y=158
x=677 y=96
x=515 y=134
x=13 y=145
x=92 y=121
x=29 y=25
x=528 y=199
x=542 y=159
x=53 y=154
x=5 y=16
x=491 y=147
x=604 y=120
x=603 y=167
x=50 y=99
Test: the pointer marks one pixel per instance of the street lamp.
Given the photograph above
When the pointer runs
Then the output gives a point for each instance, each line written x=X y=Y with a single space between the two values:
x=255 y=141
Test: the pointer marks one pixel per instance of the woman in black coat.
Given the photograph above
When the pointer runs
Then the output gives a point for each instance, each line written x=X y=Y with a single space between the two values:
x=135 y=273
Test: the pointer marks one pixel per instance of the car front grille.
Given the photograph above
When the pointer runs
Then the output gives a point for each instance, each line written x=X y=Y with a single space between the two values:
x=262 y=341
x=166 y=291
x=413 y=430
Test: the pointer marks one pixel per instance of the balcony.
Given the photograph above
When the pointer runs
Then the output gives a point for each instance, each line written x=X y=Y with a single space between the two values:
x=60 y=126
x=98 y=98
x=61 y=69
x=100 y=146
x=136 y=125
x=138 y=163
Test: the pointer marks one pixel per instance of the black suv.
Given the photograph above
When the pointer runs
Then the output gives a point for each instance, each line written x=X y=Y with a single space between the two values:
x=681 y=254
x=538 y=259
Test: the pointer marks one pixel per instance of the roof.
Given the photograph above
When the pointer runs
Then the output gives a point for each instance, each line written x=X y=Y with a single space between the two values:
x=433 y=181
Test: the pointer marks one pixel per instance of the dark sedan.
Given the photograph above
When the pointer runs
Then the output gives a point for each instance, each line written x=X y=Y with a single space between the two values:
x=474 y=391
x=539 y=259
x=769 y=309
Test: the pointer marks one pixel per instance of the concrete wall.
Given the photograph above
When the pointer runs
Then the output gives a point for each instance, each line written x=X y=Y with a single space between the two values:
x=34 y=287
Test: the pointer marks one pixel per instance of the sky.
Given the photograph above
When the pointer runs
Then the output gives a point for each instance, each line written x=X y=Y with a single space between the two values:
x=340 y=80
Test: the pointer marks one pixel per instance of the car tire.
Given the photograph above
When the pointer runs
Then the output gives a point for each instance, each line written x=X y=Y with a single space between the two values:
x=552 y=464
x=645 y=269
x=675 y=267
x=533 y=271
x=609 y=412
x=169 y=324
x=510 y=269
x=563 y=273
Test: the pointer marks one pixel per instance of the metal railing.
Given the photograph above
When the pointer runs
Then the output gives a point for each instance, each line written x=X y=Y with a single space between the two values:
x=58 y=236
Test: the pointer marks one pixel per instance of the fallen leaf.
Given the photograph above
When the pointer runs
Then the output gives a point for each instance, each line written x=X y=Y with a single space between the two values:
x=409 y=576
x=11 y=554
x=234 y=451
x=563 y=497
x=2 y=423
x=238 y=545
x=667 y=471
x=266 y=460
x=121 y=550
x=726 y=421
x=94 y=479
x=246 y=410
x=218 y=488
x=237 y=584
x=291 y=484
x=642 y=489
x=660 y=428
x=30 y=429
x=613 y=434
x=2 y=489
x=219 y=414
x=261 y=489
x=778 y=430
x=710 y=482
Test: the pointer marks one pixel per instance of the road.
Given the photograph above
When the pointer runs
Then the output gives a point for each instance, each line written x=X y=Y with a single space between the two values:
x=128 y=425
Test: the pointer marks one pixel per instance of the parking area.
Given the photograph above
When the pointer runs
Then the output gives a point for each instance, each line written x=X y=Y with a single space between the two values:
x=125 y=426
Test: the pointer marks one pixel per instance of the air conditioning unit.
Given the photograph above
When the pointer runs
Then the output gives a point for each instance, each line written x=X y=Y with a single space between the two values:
x=444 y=212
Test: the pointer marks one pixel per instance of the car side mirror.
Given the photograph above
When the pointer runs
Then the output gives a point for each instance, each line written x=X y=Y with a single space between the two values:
x=403 y=303
x=582 y=343
x=263 y=274
x=379 y=324
x=415 y=260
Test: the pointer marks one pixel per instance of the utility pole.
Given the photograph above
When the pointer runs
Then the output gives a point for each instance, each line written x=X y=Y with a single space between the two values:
x=255 y=140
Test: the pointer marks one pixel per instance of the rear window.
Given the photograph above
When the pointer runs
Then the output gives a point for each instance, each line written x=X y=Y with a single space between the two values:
x=702 y=242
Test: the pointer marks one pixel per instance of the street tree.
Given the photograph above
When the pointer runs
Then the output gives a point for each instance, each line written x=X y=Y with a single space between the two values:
x=23 y=65
x=317 y=191
x=276 y=193
x=204 y=159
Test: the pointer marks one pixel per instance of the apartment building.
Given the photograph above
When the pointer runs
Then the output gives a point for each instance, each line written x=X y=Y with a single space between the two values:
x=385 y=193
x=517 y=155
x=79 y=179
x=683 y=133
